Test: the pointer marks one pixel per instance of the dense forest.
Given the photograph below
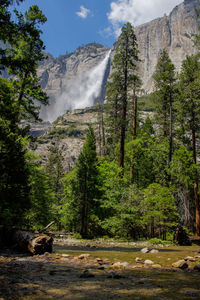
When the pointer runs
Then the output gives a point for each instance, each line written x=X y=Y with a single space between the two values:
x=144 y=183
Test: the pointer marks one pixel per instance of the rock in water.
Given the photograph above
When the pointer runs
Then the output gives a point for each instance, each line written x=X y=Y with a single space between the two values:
x=145 y=250
x=148 y=262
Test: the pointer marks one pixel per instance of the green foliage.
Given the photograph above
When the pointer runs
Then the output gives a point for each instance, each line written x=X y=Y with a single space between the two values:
x=164 y=79
x=42 y=196
x=125 y=219
x=147 y=102
x=82 y=190
x=122 y=80
x=187 y=104
x=20 y=56
x=70 y=131
x=157 y=241
x=182 y=168
x=54 y=171
x=159 y=210
x=142 y=147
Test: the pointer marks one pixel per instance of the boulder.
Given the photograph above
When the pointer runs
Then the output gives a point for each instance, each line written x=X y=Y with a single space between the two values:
x=181 y=264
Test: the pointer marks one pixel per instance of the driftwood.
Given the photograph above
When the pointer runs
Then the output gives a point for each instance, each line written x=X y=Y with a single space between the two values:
x=31 y=242
x=46 y=227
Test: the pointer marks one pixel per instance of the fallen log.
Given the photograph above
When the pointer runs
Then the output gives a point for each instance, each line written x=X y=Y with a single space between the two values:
x=31 y=242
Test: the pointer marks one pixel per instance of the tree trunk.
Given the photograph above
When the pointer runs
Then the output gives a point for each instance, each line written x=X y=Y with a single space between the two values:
x=124 y=110
x=134 y=134
x=31 y=242
x=186 y=208
x=84 y=208
x=103 y=134
x=196 y=197
x=170 y=130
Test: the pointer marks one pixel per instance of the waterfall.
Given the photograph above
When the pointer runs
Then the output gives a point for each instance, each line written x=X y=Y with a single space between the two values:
x=80 y=92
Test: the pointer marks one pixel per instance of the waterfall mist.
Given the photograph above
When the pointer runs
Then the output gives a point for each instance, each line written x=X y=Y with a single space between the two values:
x=79 y=92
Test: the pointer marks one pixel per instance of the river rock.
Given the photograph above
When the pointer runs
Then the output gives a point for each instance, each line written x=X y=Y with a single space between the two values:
x=154 y=251
x=138 y=259
x=148 y=262
x=121 y=265
x=82 y=256
x=65 y=255
x=145 y=250
x=190 y=258
x=181 y=264
x=156 y=266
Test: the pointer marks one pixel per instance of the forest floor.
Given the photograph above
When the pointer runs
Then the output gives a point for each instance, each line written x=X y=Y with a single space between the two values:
x=100 y=270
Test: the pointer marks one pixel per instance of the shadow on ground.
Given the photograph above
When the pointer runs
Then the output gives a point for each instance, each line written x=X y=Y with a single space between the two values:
x=57 y=280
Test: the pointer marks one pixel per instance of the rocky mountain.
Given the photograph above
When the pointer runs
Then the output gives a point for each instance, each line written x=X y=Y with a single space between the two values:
x=173 y=32
x=77 y=80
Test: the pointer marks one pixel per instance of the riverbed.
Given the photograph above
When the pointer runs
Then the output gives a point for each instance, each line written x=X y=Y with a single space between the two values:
x=100 y=270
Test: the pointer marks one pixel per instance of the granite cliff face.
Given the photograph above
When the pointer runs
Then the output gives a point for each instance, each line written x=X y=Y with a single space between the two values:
x=67 y=133
x=173 y=32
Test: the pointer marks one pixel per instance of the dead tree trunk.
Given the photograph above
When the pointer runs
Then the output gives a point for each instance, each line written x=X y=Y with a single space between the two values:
x=31 y=242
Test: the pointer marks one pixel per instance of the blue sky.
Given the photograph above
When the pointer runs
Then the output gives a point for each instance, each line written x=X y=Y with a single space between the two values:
x=73 y=23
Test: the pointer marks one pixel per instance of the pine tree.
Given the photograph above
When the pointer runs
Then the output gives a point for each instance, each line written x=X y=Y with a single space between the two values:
x=164 y=78
x=87 y=190
x=188 y=116
x=17 y=102
x=55 y=173
x=121 y=84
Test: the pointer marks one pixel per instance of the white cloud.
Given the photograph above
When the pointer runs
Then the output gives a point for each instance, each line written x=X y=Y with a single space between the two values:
x=138 y=11
x=83 y=13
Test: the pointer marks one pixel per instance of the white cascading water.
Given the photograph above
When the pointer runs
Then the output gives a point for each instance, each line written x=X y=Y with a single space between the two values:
x=81 y=92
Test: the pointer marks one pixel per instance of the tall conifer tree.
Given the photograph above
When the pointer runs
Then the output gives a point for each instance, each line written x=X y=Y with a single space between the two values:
x=165 y=79
x=86 y=190
x=188 y=115
x=121 y=84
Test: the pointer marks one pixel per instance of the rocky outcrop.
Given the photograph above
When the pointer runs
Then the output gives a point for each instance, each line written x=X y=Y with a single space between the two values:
x=67 y=133
x=173 y=32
